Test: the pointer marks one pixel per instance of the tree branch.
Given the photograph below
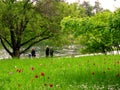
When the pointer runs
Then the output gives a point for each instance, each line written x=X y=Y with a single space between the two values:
x=33 y=43
x=5 y=47
x=6 y=40
x=31 y=39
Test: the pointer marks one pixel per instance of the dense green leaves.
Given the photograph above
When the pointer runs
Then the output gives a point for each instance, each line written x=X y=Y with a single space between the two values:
x=114 y=24
x=99 y=33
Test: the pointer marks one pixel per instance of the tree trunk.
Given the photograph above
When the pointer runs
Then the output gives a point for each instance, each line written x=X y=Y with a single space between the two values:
x=103 y=50
x=16 y=53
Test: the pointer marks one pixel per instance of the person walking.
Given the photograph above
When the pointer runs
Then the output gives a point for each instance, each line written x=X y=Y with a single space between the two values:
x=47 y=51
x=33 y=53
x=51 y=51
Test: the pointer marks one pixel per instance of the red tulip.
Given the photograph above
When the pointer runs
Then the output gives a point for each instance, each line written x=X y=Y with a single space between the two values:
x=36 y=76
x=51 y=85
x=42 y=74
x=32 y=68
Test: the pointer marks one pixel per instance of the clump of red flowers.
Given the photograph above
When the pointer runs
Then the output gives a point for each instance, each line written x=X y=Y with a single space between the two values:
x=42 y=74
x=19 y=70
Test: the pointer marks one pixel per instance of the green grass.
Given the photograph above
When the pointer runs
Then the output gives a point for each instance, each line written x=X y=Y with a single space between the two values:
x=83 y=73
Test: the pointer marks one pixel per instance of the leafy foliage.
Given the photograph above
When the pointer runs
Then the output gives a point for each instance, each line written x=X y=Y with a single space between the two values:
x=114 y=24
x=95 y=31
x=21 y=26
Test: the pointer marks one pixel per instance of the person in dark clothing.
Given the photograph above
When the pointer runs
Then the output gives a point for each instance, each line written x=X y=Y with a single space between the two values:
x=47 y=51
x=51 y=52
x=33 y=52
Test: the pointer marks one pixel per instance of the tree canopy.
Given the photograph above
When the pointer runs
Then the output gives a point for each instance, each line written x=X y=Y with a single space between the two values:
x=98 y=33
x=22 y=26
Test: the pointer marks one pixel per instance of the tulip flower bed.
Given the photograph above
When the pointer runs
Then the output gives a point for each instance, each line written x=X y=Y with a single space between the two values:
x=83 y=73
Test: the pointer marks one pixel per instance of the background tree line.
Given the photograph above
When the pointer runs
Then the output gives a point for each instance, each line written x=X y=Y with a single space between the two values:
x=98 y=33
x=25 y=23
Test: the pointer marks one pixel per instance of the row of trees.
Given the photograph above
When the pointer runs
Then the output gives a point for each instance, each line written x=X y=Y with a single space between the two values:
x=24 y=23
x=98 y=33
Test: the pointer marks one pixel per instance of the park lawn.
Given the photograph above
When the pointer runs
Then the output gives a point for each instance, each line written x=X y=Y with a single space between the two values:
x=83 y=73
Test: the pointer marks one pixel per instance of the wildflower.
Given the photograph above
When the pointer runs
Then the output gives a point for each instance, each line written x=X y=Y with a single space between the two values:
x=51 y=85
x=42 y=74
x=36 y=76
x=19 y=70
x=32 y=68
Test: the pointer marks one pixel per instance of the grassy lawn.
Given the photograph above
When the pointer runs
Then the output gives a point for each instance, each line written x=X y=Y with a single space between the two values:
x=83 y=73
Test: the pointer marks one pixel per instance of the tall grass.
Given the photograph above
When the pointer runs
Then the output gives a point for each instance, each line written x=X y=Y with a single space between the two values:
x=83 y=73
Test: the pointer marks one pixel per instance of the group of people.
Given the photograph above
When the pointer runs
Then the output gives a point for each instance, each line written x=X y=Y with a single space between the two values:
x=48 y=52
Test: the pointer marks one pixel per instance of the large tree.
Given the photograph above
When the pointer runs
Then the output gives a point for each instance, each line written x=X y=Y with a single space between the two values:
x=21 y=26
